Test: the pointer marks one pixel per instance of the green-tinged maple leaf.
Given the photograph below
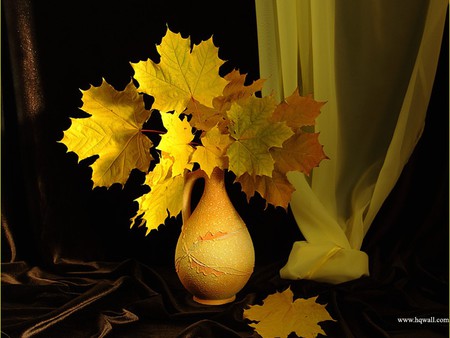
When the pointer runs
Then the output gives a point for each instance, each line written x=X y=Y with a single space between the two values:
x=176 y=142
x=181 y=74
x=298 y=111
x=301 y=152
x=113 y=132
x=165 y=198
x=212 y=153
x=254 y=135
x=280 y=315
x=205 y=118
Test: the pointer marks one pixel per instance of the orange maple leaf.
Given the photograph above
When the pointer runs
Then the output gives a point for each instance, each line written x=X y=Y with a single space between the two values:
x=236 y=90
x=276 y=190
x=301 y=152
x=204 y=117
x=298 y=111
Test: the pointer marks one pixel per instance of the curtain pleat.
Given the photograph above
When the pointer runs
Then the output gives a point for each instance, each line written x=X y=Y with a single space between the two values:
x=373 y=63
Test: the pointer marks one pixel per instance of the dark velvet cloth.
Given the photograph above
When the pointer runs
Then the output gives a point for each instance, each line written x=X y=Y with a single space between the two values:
x=72 y=267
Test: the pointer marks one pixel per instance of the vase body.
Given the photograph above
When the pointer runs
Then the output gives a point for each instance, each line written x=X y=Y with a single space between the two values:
x=214 y=257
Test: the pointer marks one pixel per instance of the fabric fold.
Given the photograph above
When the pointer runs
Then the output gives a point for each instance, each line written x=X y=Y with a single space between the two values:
x=327 y=263
x=374 y=64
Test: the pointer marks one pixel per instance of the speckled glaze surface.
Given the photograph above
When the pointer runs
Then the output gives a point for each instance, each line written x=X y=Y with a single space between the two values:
x=214 y=256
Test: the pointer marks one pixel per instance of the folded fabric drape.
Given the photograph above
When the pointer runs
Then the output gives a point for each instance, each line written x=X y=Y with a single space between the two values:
x=374 y=63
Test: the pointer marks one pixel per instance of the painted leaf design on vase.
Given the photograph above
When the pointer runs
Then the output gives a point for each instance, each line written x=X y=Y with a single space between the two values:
x=194 y=253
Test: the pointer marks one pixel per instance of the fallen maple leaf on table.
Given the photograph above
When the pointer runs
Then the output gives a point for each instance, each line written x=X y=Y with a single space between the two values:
x=280 y=315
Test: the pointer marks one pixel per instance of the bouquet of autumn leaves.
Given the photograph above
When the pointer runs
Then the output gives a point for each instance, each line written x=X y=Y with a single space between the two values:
x=210 y=121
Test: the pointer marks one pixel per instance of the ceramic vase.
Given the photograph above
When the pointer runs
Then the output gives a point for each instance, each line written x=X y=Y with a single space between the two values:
x=214 y=257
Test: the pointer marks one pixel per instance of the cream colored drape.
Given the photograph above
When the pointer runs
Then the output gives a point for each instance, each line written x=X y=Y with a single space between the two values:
x=374 y=63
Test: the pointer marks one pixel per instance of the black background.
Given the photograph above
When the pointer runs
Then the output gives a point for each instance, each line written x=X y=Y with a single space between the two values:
x=77 y=46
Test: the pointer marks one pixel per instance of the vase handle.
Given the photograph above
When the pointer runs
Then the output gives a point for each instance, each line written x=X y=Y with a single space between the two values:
x=189 y=181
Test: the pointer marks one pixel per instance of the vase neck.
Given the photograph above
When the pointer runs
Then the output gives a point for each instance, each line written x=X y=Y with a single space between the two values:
x=215 y=183
x=217 y=177
x=214 y=194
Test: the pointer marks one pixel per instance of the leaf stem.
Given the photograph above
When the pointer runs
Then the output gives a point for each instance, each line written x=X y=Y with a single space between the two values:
x=153 y=131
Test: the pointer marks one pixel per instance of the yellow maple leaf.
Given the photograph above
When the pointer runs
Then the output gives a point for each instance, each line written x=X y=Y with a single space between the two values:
x=181 y=74
x=112 y=131
x=165 y=198
x=254 y=135
x=280 y=315
x=176 y=142
x=212 y=152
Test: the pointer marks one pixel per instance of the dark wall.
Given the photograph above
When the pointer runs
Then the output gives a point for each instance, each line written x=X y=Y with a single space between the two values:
x=47 y=197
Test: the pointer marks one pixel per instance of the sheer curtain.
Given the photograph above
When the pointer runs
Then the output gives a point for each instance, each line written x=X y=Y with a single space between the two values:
x=374 y=63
